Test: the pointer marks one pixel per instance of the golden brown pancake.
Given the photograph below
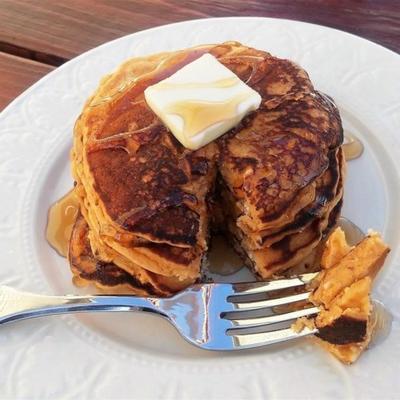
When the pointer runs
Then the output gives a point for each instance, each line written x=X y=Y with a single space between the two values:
x=284 y=150
x=148 y=201
x=342 y=290
x=290 y=246
x=107 y=275
x=326 y=188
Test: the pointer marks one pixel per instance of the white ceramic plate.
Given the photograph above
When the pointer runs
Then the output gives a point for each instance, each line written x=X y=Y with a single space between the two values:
x=140 y=356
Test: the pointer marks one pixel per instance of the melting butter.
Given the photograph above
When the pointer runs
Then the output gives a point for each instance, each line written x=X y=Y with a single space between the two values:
x=60 y=221
x=201 y=101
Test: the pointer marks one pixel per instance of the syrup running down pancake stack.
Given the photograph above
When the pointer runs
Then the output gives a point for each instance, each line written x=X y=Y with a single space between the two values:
x=273 y=184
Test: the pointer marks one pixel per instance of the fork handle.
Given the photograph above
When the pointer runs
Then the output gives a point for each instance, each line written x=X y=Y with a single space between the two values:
x=17 y=305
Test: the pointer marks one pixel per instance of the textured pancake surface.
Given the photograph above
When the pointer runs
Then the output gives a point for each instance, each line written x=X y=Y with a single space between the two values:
x=273 y=183
x=342 y=291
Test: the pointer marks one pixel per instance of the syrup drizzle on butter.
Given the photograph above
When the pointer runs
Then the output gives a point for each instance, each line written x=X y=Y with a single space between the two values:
x=197 y=114
x=145 y=68
x=219 y=84
x=60 y=221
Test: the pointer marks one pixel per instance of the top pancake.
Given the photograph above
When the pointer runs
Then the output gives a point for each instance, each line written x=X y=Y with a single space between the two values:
x=150 y=188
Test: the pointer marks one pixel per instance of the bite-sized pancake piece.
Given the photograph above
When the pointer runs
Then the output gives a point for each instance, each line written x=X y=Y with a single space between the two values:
x=336 y=248
x=345 y=322
x=363 y=260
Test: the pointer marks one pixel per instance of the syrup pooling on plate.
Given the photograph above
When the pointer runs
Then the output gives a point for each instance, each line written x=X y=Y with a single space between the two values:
x=60 y=221
x=222 y=259
x=352 y=146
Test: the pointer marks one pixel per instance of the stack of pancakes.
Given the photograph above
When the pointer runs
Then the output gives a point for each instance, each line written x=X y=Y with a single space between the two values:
x=273 y=184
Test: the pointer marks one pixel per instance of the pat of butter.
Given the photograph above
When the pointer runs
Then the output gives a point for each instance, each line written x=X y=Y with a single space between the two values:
x=201 y=101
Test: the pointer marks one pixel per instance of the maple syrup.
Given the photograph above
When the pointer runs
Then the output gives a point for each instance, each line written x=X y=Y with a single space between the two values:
x=222 y=258
x=219 y=84
x=60 y=221
x=352 y=147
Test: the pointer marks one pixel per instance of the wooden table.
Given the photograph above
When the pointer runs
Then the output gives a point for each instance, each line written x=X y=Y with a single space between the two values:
x=36 y=36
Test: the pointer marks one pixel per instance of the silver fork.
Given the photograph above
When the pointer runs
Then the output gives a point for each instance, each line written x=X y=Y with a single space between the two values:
x=215 y=316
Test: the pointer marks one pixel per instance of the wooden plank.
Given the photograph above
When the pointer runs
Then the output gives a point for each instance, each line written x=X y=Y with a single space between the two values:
x=54 y=31
x=16 y=75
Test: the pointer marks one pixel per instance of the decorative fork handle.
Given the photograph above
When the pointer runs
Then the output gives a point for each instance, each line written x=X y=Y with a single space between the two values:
x=17 y=305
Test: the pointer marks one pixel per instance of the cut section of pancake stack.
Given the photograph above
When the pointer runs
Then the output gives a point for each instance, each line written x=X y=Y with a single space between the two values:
x=273 y=184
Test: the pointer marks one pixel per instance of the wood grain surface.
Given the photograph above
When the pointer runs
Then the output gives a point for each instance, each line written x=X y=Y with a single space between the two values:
x=16 y=74
x=52 y=31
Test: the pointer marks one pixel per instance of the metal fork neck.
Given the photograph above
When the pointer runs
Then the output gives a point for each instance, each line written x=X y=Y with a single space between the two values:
x=15 y=305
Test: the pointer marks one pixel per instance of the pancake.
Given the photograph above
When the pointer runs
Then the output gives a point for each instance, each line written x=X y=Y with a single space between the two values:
x=286 y=153
x=148 y=202
x=292 y=245
x=326 y=188
x=341 y=291
x=108 y=276
x=86 y=268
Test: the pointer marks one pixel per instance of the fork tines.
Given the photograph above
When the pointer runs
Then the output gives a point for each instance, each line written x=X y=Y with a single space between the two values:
x=267 y=320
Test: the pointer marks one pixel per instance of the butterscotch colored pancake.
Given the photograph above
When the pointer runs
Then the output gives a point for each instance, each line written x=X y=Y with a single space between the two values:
x=342 y=291
x=107 y=275
x=275 y=179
